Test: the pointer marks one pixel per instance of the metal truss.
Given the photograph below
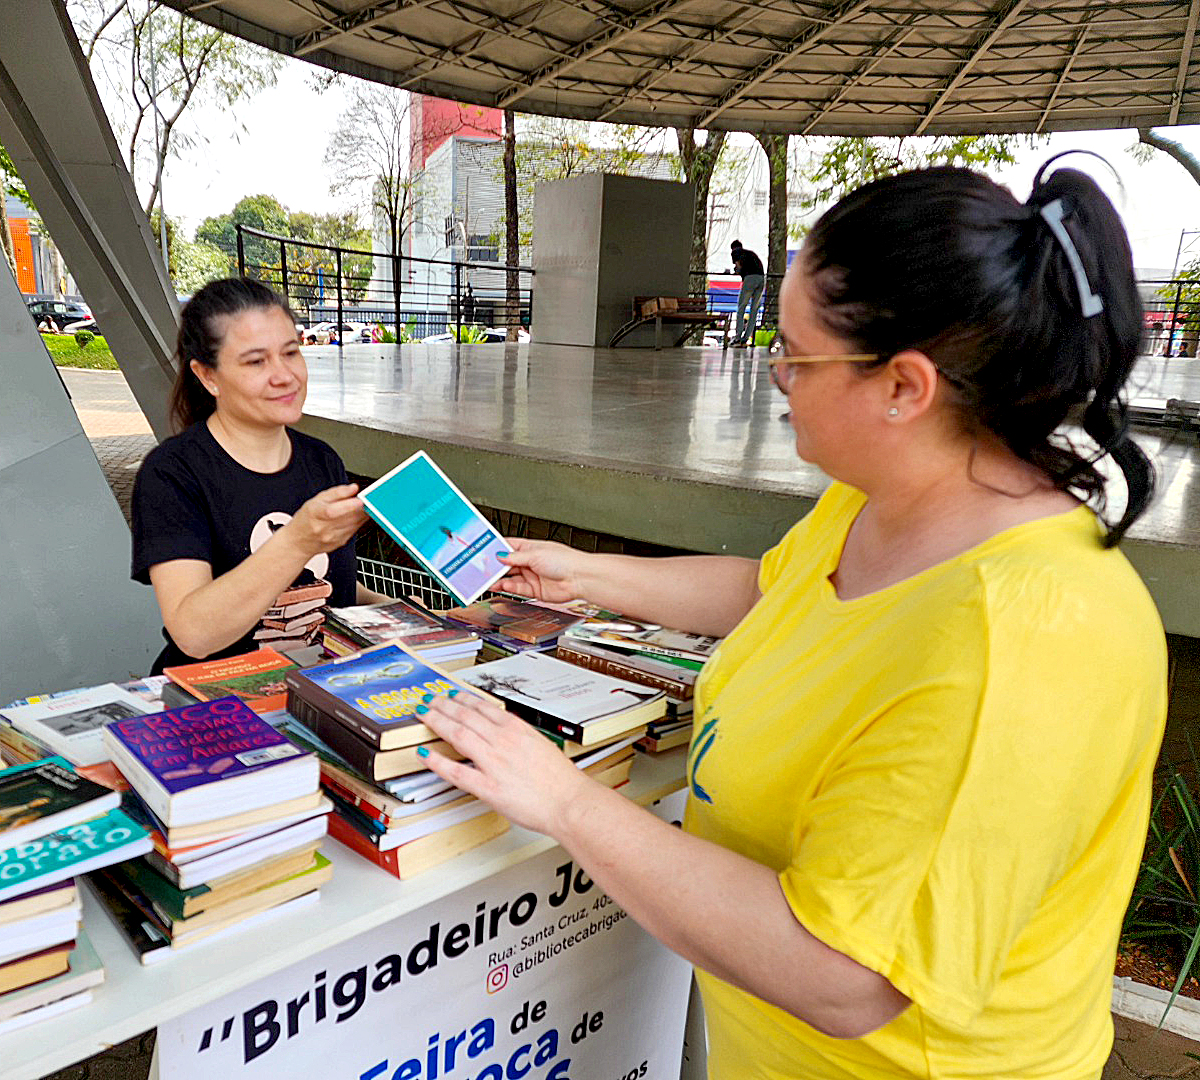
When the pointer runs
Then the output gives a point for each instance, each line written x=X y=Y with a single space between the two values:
x=842 y=67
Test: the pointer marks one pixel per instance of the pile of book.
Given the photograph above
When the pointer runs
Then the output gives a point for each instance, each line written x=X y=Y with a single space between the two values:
x=351 y=629
x=358 y=714
x=54 y=825
x=69 y=724
x=235 y=814
x=594 y=717
x=653 y=656
x=294 y=620
x=255 y=677
x=509 y=625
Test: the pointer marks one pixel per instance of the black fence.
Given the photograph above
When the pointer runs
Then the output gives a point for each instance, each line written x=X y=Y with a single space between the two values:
x=1172 y=317
x=407 y=299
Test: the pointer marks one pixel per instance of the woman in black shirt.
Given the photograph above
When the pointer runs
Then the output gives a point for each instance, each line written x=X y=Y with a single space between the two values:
x=244 y=527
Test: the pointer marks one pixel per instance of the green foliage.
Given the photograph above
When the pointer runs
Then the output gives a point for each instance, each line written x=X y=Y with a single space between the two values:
x=850 y=161
x=65 y=353
x=1188 y=293
x=10 y=179
x=469 y=334
x=1163 y=908
x=195 y=263
x=333 y=230
x=263 y=212
x=386 y=336
x=83 y=338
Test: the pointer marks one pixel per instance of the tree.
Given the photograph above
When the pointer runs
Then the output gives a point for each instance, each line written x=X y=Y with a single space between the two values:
x=307 y=266
x=369 y=153
x=698 y=162
x=512 y=235
x=151 y=64
x=776 y=149
x=1172 y=149
x=263 y=212
x=195 y=263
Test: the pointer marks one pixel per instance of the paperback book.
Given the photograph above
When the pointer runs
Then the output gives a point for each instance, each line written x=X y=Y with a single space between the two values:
x=503 y=619
x=256 y=677
x=72 y=725
x=420 y=508
x=46 y=796
x=210 y=760
x=84 y=972
x=397 y=620
x=631 y=635
x=375 y=694
x=584 y=706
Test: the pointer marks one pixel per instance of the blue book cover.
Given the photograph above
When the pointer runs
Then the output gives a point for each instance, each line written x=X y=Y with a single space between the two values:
x=75 y=849
x=376 y=693
x=199 y=744
x=420 y=508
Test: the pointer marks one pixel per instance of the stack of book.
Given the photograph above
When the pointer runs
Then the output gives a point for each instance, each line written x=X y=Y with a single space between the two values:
x=350 y=629
x=255 y=677
x=359 y=715
x=509 y=626
x=294 y=621
x=594 y=717
x=668 y=660
x=54 y=824
x=69 y=724
x=236 y=816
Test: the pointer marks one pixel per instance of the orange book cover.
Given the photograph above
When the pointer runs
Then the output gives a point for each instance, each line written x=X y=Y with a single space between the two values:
x=256 y=677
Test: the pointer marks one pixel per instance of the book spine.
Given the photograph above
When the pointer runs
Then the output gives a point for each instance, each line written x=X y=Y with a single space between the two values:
x=329 y=729
x=345 y=833
x=331 y=705
x=606 y=666
x=335 y=787
x=546 y=722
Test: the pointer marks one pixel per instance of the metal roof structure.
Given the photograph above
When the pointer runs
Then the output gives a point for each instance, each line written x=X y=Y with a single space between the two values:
x=855 y=67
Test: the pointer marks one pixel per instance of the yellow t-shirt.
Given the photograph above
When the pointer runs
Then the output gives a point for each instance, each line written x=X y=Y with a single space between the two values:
x=951 y=777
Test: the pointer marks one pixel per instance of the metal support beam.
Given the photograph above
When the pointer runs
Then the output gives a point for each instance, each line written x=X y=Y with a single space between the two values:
x=843 y=13
x=1062 y=77
x=59 y=138
x=352 y=23
x=613 y=34
x=999 y=24
x=1185 y=61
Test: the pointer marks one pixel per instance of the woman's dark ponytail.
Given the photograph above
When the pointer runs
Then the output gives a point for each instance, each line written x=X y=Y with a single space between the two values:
x=947 y=262
x=201 y=331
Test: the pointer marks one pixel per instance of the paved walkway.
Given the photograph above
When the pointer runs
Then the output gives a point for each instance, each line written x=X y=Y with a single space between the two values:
x=121 y=437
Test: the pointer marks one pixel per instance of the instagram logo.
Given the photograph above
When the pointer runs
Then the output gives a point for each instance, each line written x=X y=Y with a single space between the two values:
x=497 y=978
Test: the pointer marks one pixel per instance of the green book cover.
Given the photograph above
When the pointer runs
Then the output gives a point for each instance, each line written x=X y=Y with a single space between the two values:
x=75 y=849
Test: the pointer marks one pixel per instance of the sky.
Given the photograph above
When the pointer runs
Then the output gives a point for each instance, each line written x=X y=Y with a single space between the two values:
x=277 y=146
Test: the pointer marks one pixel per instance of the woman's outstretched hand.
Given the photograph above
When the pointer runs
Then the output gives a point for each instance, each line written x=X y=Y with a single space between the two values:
x=510 y=765
x=543 y=570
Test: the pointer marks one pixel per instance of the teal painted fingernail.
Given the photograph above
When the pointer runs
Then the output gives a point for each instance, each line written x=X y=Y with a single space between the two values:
x=503 y=554
x=453 y=693
x=427 y=698
x=422 y=751
x=422 y=708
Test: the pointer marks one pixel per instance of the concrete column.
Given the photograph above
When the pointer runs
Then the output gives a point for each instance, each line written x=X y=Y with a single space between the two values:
x=600 y=240
x=55 y=129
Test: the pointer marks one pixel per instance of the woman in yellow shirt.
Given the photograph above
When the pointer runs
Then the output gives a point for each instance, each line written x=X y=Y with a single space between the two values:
x=921 y=769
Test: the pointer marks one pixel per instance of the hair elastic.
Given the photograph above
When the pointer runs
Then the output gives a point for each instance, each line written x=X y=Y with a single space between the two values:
x=1089 y=302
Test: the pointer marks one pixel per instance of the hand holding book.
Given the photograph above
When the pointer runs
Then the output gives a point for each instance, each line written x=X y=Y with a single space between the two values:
x=511 y=765
x=328 y=520
x=544 y=570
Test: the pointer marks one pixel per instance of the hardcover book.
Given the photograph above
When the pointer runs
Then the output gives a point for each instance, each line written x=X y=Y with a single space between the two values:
x=256 y=677
x=72 y=724
x=397 y=620
x=631 y=635
x=584 y=706
x=375 y=694
x=420 y=508
x=208 y=761
x=47 y=796
x=75 y=849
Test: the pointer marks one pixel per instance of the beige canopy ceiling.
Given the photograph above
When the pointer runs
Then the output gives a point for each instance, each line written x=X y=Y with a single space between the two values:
x=859 y=67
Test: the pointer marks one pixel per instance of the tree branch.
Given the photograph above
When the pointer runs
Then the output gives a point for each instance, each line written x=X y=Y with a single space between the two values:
x=1172 y=149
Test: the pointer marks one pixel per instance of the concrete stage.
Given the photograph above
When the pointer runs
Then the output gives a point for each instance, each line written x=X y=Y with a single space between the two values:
x=682 y=447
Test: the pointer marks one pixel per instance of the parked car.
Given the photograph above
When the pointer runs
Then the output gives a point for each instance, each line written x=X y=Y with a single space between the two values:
x=318 y=333
x=57 y=313
x=89 y=324
x=490 y=334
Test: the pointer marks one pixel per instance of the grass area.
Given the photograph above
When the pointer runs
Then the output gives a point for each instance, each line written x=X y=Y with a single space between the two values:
x=65 y=353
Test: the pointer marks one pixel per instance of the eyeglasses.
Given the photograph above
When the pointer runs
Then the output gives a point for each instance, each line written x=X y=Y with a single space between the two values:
x=781 y=366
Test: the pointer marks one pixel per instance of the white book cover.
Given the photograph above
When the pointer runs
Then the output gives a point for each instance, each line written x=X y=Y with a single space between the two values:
x=72 y=724
x=45 y=1012
x=556 y=688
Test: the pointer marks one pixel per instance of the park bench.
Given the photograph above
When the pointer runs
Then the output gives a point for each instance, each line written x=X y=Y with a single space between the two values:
x=689 y=311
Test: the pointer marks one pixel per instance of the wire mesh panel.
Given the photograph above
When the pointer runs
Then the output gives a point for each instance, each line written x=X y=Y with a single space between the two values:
x=404 y=581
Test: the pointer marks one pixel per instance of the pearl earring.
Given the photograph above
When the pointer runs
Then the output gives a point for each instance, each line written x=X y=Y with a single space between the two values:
x=893 y=411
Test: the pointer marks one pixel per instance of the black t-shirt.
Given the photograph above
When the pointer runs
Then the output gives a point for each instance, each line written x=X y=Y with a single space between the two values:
x=745 y=262
x=191 y=500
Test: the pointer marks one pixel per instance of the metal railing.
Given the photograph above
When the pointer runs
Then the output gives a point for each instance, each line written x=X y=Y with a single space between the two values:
x=412 y=298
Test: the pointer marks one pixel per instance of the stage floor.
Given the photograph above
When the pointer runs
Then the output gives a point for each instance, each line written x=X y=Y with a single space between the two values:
x=681 y=447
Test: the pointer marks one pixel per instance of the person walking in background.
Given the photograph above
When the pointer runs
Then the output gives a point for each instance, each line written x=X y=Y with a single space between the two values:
x=750 y=267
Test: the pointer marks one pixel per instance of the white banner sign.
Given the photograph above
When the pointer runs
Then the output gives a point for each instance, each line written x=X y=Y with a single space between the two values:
x=533 y=974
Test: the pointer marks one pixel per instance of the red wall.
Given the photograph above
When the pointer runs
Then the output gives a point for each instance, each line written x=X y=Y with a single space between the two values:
x=434 y=120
